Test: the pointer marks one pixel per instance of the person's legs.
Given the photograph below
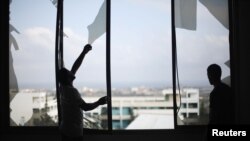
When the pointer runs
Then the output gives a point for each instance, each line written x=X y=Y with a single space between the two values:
x=79 y=138
x=64 y=138
x=68 y=138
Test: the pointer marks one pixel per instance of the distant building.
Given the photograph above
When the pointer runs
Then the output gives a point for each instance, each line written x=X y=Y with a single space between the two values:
x=34 y=108
x=44 y=109
x=189 y=101
x=155 y=107
x=127 y=110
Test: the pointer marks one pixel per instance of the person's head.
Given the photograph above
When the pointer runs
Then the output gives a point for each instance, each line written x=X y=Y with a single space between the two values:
x=65 y=77
x=214 y=74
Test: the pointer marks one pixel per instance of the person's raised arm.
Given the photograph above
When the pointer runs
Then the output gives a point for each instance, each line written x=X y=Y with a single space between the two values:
x=90 y=106
x=79 y=60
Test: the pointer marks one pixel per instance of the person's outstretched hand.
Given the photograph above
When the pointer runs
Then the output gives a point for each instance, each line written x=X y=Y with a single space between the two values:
x=102 y=100
x=87 y=48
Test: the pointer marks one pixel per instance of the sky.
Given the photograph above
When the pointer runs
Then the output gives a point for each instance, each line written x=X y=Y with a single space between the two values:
x=140 y=44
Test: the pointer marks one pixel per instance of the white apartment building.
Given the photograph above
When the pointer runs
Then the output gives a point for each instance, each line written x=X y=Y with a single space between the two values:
x=28 y=107
x=45 y=102
x=189 y=101
x=127 y=109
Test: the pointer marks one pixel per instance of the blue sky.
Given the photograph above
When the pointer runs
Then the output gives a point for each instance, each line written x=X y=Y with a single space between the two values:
x=140 y=44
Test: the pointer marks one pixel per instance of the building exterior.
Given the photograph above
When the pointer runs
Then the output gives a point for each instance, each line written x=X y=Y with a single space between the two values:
x=127 y=109
x=189 y=101
x=39 y=109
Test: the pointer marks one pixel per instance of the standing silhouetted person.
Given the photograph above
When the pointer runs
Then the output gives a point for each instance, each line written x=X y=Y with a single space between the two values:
x=221 y=98
x=72 y=104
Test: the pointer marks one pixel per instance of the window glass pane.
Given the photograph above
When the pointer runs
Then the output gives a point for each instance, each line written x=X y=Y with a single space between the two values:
x=141 y=65
x=31 y=63
x=91 y=76
x=197 y=49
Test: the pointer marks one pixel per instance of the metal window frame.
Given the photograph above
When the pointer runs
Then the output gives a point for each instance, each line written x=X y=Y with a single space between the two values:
x=232 y=8
x=59 y=57
x=5 y=126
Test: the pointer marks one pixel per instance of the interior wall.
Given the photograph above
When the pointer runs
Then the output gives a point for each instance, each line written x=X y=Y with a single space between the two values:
x=4 y=49
x=243 y=61
x=170 y=136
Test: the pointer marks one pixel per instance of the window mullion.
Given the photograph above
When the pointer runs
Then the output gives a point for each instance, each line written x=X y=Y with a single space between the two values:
x=174 y=59
x=108 y=65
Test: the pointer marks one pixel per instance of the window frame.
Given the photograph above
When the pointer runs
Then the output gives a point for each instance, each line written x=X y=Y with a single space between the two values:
x=5 y=117
x=232 y=46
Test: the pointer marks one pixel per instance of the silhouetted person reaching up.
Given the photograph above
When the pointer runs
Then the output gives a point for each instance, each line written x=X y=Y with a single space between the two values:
x=72 y=104
x=221 y=98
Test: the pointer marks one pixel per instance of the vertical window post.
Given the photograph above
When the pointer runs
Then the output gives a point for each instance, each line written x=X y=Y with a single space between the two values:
x=108 y=65
x=4 y=54
x=59 y=51
x=174 y=59
x=232 y=46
